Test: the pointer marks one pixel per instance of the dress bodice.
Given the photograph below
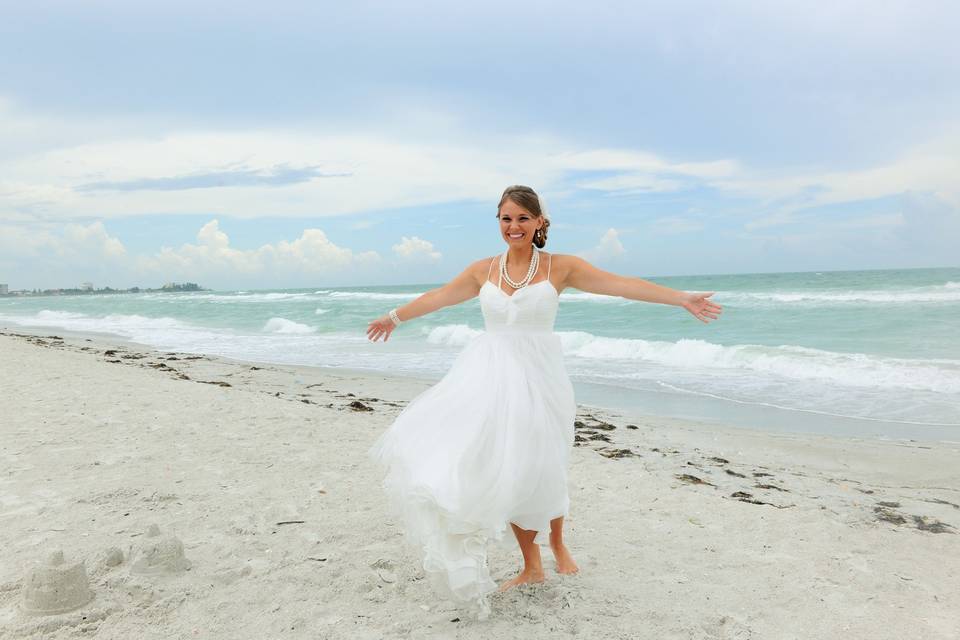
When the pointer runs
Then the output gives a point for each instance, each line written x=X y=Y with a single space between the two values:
x=531 y=308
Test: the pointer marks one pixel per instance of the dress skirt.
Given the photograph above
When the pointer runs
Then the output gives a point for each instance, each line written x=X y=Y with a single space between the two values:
x=486 y=446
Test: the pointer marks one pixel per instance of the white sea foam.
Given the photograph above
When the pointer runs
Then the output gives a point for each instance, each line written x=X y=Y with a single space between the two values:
x=787 y=361
x=453 y=335
x=947 y=293
x=282 y=325
x=53 y=316
x=318 y=311
x=584 y=296
x=274 y=296
x=227 y=297
x=369 y=295
x=256 y=297
x=126 y=325
x=378 y=295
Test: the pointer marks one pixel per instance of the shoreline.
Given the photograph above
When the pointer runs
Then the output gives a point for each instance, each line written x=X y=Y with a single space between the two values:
x=362 y=383
x=693 y=409
x=261 y=472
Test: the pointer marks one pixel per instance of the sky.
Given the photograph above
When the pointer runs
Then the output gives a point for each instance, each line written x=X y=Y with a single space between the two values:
x=294 y=144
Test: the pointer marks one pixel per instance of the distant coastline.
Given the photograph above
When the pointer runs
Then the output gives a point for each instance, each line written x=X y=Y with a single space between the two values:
x=82 y=291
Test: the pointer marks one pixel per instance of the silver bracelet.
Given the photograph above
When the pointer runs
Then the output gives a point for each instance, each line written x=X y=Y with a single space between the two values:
x=394 y=317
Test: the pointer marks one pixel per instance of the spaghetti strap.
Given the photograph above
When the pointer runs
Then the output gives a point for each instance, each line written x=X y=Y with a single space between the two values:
x=490 y=267
x=549 y=264
x=499 y=278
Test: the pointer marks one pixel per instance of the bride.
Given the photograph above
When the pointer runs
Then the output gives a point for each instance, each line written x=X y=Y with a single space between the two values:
x=489 y=443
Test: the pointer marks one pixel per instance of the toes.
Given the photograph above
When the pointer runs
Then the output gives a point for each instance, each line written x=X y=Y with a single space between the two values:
x=508 y=585
x=521 y=579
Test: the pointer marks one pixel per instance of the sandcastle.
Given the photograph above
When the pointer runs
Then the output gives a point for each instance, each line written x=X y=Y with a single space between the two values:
x=56 y=587
x=160 y=554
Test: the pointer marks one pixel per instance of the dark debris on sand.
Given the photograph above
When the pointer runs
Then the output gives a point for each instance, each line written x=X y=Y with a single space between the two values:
x=932 y=525
x=597 y=424
x=686 y=477
x=886 y=512
x=743 y=496
x=771 y=486
x=617 y=453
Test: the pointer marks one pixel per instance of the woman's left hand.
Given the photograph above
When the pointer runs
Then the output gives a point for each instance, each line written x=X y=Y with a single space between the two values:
x=701 y=308
x=380 y=328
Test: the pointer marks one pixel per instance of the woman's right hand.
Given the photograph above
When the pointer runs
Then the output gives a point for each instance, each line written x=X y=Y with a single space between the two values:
x=380 y=328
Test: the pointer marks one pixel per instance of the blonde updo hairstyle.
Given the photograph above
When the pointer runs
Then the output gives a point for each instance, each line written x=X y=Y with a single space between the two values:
x=527 y=198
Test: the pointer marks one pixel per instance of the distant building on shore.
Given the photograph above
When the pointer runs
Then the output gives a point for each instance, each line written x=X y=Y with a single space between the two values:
x=86 y=286
x=180 y=286
x=3 y=290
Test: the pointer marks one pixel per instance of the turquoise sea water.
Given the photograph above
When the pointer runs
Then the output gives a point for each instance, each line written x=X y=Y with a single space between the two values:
x=859 y=352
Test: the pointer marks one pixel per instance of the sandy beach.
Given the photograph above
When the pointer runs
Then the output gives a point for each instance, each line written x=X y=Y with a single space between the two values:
x=681 y=530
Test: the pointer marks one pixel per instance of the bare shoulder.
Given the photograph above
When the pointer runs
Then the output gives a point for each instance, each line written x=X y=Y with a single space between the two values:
x=559 y=259
x=480 y=268
x=483 y=264
x=563 y=267
x=562 y=263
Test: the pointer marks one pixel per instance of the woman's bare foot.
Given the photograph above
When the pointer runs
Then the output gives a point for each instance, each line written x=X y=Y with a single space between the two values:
x=565 y=563
x=526 y=576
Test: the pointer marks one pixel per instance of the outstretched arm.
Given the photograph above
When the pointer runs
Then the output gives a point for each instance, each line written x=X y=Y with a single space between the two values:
x=460 y=289
x=586 y=277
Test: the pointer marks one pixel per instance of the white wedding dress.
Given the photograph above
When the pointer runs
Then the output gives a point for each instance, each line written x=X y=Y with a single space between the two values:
x=487 y=445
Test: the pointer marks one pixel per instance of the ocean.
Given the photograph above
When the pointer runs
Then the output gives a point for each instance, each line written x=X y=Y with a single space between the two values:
x=853 y=353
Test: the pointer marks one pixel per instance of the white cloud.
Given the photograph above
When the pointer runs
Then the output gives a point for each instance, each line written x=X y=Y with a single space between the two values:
x=61 y=252
x=930 y=168
x=643 y=162
x=213 y=257
x=416 y=249
x=313 y=251
x=94 y=238
x=313 y=172
x=608 y=247
x=640 y=171
x=60 y=255
x=71 y=243
x=780 y=196
x=308 y=171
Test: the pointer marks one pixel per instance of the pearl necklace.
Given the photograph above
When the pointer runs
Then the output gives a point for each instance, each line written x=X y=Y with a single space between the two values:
x=531 y=270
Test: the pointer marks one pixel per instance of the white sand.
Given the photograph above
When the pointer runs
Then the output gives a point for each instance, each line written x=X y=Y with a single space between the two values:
x=92 y=452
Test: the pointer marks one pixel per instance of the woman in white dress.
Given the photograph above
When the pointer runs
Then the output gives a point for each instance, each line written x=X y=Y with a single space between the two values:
x=488 y=445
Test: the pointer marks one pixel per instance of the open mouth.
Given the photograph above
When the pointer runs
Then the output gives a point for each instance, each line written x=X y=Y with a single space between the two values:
x=515 y=236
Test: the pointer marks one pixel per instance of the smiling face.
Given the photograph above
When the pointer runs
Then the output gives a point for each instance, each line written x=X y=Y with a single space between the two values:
x=517 y=225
